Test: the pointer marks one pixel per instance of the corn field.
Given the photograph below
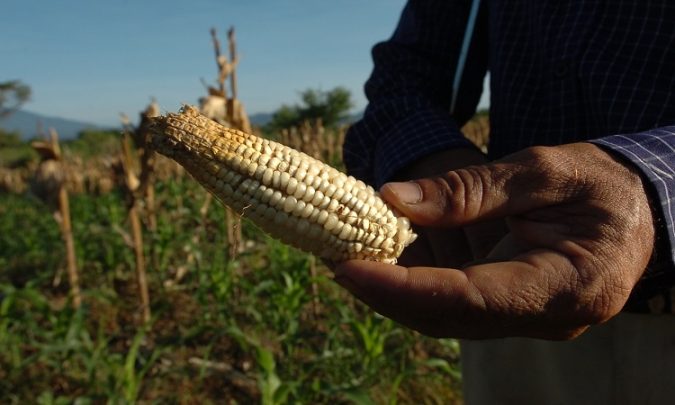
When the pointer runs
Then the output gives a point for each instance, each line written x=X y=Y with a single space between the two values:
x=265 y=324
x=122 y=281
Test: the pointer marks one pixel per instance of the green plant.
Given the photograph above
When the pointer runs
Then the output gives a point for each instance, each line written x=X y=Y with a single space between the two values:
x=330 y=106
x=255 y=314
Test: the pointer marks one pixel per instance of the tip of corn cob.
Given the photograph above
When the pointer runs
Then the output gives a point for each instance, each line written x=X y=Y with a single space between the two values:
x=294 y=197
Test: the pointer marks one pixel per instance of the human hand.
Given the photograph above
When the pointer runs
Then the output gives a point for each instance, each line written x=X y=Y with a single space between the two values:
x=448 y=246
x=580 y=236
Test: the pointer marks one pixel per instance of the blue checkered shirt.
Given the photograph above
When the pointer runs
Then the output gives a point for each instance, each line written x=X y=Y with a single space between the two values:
x=560 y=72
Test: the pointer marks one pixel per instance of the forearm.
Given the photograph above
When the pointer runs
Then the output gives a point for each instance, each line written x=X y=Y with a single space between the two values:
x=410 y=90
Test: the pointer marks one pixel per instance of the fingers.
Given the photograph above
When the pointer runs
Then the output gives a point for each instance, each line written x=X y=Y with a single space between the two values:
x=517 y=298
x=528 y=180
x=416 y=297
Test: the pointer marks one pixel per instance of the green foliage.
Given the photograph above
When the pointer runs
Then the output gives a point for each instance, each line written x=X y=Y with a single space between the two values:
x=330 y=106
x=13 y=151
x=256 y=314
x=35 y=251
x=9 y=139
x=88 y=144
x=92 y=142
x=13 y=94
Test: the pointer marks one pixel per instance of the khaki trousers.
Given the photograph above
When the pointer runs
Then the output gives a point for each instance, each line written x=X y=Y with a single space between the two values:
x=627 y=360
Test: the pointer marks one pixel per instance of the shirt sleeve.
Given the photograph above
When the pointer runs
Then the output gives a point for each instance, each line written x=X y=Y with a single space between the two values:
x=410 y=90
x=653 y=153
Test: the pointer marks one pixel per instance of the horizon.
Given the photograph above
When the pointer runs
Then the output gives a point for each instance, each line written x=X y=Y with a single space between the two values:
x=104 y=59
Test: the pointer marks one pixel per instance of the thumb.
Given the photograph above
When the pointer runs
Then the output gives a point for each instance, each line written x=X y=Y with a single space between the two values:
x=473 y=194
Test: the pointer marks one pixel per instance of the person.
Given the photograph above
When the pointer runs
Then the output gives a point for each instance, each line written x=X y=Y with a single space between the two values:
x=564 y=230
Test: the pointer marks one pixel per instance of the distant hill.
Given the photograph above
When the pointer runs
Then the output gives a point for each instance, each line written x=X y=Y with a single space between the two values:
x=26 y=122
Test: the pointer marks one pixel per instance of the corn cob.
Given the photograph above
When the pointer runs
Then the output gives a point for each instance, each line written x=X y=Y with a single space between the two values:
x=292 y=196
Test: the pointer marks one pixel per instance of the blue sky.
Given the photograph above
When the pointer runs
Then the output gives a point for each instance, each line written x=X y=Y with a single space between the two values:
x=91 y=60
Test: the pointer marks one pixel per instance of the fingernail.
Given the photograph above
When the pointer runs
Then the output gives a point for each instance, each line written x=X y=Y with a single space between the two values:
x=407 y=192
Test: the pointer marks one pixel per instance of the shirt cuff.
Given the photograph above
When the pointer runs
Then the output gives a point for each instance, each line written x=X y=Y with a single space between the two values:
x=653 y=153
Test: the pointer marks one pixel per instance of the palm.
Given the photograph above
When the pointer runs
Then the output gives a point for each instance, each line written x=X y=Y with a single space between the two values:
x=437 y=247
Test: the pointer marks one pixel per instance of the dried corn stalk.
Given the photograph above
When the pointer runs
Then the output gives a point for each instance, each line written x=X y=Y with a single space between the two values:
x=290 y=195
x=49 y=185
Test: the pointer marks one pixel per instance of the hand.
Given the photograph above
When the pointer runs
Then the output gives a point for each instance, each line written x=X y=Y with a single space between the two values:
x=580 y=236
x=449 y=247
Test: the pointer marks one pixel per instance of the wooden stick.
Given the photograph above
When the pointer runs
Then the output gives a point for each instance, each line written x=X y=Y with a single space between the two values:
x=71 y=258
x=150 y=208
x=216 y=51
x=340 y=141
x=234 y=221
x=204 y=209
x=67 y=230
x=54 y=139
x=132 y=185
x=146 y=187
x=141 y=279
x=233 y=57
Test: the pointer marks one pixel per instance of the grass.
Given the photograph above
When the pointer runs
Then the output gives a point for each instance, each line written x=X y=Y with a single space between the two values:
x=232 y=330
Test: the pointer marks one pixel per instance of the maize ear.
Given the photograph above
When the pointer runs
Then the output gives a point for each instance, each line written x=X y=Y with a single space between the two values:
x=292 y=196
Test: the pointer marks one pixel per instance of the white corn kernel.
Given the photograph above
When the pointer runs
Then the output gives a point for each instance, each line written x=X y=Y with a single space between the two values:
x=296 y=198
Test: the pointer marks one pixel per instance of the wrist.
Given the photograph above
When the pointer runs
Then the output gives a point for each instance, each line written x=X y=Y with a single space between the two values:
x=651 y=216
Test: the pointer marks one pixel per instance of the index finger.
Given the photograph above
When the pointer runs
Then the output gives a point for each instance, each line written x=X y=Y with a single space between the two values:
x=522 y=297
